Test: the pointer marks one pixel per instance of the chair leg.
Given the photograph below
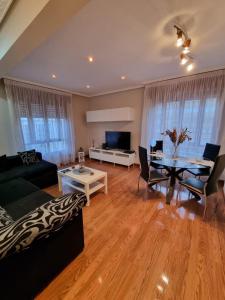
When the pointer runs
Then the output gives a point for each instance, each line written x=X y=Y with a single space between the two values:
x=178 y=194
x=205 y=208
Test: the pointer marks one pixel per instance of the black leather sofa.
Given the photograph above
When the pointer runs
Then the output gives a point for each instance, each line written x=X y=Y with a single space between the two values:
x=41 y=174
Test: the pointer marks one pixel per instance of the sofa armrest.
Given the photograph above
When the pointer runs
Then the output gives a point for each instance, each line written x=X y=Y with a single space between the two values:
x=39 y=155
x=39 y=223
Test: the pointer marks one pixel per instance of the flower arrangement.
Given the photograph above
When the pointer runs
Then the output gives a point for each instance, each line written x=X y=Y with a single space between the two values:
x=176 y=138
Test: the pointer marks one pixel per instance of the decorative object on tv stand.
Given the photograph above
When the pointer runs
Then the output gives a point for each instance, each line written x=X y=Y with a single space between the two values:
x=176 y=138
x=184 y=41
x=81 y=159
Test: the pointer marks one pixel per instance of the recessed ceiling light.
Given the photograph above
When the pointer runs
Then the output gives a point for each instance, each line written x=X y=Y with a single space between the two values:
x=90 y=59
x=53 y=76
x=123 y=77
x=88 y=86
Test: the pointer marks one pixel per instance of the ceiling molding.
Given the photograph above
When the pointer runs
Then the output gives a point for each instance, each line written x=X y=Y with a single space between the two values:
x=46 y=86
x=183 y=76
x=134 y=87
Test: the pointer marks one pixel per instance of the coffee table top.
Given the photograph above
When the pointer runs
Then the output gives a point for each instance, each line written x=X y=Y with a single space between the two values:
x=82 y=177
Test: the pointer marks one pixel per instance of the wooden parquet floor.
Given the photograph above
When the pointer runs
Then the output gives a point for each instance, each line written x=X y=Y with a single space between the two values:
x=137 y=247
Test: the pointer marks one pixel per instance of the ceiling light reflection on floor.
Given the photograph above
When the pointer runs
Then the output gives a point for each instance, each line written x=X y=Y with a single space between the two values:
x=165 y=279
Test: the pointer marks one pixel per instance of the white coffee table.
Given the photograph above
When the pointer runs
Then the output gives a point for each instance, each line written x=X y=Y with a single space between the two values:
x=85 y=183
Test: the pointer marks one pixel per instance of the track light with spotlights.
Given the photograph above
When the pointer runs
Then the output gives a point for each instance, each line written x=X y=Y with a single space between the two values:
x=184 y=41
x=183 y=59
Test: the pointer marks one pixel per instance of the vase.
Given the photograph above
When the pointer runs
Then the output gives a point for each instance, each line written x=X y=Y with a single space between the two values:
x=174 y=155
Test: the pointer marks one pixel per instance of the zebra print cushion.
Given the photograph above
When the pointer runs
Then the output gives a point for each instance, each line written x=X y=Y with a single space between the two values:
x=28 y=157
x=5 y=219
x=39 y=223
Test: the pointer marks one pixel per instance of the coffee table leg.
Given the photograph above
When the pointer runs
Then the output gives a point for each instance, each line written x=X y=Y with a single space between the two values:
x=87 y=194
x=60 y=182
x=106 y=184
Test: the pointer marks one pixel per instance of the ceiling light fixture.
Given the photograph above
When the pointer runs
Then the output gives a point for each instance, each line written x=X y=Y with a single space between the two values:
x=90 y=59
x=190 y=67
x=183 y=59
x=123 y=77
x=184 y=41
x=54 y=76
x=88 y=86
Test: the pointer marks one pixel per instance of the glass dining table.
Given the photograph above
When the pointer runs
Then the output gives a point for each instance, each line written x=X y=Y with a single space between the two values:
x=174 y=168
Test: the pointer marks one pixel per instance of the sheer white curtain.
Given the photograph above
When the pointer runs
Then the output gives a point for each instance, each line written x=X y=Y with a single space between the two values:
x=42 y=121
x=195 y=102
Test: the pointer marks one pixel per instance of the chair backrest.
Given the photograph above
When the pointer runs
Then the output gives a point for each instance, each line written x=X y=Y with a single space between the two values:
x=143 y=157
x=158 y=146
x=212 y=182
x=211 y=151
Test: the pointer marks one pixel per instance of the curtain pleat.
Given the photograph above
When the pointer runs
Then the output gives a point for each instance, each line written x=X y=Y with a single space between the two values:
x=195 y=102
x=42 y=121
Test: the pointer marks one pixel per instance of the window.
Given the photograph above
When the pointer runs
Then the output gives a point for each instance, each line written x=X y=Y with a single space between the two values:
x=42 y=121
x=195 y=114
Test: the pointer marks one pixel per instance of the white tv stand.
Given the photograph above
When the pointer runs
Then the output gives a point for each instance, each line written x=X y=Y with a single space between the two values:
x=113 y=156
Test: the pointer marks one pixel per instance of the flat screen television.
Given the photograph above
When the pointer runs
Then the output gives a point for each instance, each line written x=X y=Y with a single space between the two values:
x=118 y=140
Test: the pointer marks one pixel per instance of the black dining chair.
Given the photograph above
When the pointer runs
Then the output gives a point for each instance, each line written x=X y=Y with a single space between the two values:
x=157 y=147
x=205 y=188
x=151 y=177
x=210 y=153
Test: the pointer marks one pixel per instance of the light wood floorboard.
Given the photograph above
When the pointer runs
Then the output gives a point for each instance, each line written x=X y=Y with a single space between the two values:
x=137 y=247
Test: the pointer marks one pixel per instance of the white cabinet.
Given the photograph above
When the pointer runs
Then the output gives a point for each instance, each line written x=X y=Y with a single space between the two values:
x=111 y=115
x=113 y=156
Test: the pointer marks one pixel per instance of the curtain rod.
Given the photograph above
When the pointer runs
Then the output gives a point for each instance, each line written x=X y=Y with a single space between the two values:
x=156 y=81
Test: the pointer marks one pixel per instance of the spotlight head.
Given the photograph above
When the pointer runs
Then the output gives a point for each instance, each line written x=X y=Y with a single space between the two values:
x=190 y=67
x=183 y=59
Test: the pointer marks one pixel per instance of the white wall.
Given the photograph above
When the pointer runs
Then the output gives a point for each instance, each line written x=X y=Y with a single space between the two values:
x=131 y=98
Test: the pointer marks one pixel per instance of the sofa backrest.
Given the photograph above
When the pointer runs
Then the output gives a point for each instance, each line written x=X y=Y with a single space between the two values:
x=15 y=160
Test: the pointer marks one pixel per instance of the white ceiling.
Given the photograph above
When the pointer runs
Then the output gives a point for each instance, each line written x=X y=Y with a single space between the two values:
x=129 y=37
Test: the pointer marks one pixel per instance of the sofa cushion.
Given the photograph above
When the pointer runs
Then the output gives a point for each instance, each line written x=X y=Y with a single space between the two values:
x=13 y=190
x=4 y=165
x=28 y=172
x=39 y=223
x=28 y=157
x=5 y=218
x=22 y=206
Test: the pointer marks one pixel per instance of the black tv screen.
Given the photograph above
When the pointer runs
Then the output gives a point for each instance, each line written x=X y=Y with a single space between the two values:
x=118 y=140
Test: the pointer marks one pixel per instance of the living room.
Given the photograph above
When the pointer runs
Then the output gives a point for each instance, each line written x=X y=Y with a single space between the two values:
x=112 y=151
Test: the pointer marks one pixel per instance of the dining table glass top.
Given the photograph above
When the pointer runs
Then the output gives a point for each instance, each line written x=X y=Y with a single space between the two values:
x=178 y=164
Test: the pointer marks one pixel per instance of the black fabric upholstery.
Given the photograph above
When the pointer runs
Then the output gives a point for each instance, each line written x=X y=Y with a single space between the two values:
x=25 y=274
x=13 y=190
x=42 y=173
x=3 y=163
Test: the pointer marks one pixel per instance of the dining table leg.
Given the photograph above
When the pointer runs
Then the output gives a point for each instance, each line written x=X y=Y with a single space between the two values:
x=170 y=193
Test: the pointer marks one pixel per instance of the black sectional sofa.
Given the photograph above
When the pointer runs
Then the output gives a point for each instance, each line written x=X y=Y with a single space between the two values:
x=41 y=174
x=26 y=273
